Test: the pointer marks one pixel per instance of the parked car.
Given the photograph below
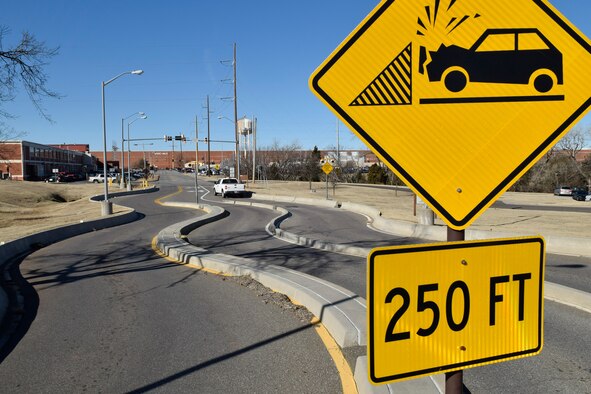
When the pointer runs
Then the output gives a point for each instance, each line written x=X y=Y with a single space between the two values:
x=100 y=178
x=69 y=177
x=55 y=178
x=497 y=57
x=563 y=191
x=580 y=194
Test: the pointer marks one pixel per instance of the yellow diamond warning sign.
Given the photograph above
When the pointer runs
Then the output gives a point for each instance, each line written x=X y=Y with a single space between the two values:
x=459 y=97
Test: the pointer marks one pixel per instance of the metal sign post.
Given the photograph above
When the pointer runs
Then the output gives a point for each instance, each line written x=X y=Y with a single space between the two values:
x=454 y=381
x=327 y=169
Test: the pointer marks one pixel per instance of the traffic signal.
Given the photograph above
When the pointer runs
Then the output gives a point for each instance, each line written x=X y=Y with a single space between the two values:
x=167 y=138
x=180 y=138
x=206 y=140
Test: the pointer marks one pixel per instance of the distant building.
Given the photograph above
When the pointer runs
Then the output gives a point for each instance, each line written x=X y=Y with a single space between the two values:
x=29 y=161
x=84 y=148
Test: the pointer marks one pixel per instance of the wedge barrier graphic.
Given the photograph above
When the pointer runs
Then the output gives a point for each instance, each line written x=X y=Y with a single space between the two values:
x=393 y=86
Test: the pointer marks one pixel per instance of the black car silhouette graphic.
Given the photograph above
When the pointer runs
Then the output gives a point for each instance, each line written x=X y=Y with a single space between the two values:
x=511 y=56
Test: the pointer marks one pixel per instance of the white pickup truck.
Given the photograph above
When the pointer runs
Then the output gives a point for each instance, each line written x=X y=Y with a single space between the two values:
x=228 y=187
x=100 y=178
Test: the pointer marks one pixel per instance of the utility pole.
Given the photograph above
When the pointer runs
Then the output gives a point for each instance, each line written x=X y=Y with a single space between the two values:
x=237 y=148
x=181 y=147
x=208 y=139
x=197 y=159
x=173 y=162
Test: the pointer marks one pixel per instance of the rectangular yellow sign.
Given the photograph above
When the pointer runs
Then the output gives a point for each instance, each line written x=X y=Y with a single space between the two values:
x=442 y=307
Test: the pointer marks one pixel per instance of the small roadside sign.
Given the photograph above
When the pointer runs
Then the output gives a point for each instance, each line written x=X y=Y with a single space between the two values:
x=444 y=307
x=327 y=168
x=459 y=98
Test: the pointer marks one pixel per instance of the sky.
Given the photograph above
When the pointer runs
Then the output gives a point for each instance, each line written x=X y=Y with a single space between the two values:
x=185 y=48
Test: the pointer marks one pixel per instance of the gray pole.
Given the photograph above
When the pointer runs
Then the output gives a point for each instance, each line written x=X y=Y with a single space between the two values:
x=128 y=160
x=122 y=183
x=173 y=158
x=208 y=139
x=196 y=161
x=107 y=208
x=254 y=148
x=181 y=145
x=237 y=148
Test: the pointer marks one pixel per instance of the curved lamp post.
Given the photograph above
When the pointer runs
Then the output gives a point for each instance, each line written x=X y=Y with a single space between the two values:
x=122 y=184
x=129 y=152
x=107 y=207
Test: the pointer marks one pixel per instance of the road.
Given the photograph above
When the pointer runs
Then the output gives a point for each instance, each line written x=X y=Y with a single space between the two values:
x=104 y=313
x=562 y=367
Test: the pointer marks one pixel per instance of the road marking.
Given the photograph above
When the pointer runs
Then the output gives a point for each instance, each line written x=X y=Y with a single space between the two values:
x=159 y=200
x=343 y=368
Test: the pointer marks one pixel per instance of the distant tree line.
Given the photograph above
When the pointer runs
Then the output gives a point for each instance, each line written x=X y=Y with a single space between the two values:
x=558 y=167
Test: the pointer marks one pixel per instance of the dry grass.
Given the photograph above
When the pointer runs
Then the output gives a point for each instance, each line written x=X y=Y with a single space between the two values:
x=30 y=207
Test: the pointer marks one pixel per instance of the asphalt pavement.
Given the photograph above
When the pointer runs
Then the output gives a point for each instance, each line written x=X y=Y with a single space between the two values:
x=105 y=313
x=559 y=344
x=333 y=234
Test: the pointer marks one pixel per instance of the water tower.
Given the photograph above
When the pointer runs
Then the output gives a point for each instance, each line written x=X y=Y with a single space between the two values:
x=245 y=131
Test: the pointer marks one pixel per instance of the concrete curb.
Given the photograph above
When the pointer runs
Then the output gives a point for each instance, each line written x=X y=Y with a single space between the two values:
x=339 y=309
x=565 y=295
x=101 y=197
x=554 y=243
x=554 y=292
x=342 y=312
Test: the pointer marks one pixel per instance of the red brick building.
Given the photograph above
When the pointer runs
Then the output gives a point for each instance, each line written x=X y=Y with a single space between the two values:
x=29 y=161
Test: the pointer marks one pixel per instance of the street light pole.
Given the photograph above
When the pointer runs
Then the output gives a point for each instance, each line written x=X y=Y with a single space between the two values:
x=107 y=206
x=129 y=152
x=122 y=183
x=237 y=148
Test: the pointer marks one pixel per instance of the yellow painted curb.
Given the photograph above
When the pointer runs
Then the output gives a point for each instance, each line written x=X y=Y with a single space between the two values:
x=347 y=379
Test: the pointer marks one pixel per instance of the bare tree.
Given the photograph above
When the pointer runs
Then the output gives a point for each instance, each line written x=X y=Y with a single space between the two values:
x=283 y=162
x=572 y=143
x=23 y=65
